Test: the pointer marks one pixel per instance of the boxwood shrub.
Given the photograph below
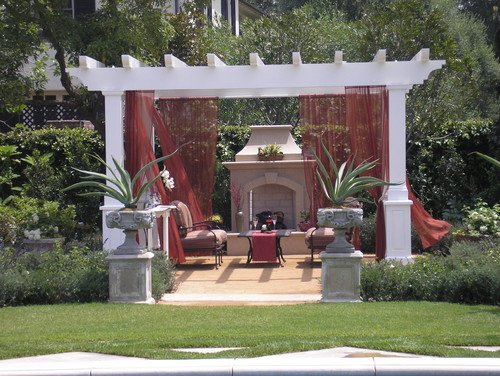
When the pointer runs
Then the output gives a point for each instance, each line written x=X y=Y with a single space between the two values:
x=72 y=273
x=66 y=274
x=468 y=274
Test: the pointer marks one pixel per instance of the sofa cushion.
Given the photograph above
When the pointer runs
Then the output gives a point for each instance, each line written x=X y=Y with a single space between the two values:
x=182 y=215
x=319 y=237
x=203 y=239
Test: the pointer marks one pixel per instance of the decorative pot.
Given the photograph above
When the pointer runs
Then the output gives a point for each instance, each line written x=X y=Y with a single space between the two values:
x=273 y=157
x=130 y=221
x=341 y=220
x=304 y=226
x=240 y=223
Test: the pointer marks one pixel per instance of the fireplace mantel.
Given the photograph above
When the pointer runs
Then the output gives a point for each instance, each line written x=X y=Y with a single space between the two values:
x=271 y=185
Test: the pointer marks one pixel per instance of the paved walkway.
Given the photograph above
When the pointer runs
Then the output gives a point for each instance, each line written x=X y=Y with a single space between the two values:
x=236 y=282
x=342 y=361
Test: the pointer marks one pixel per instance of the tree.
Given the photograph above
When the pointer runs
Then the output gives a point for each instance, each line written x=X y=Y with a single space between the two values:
x=453 y=112
x=19 y=42
x=488 y=11
x=274 y=38
x=140 y=28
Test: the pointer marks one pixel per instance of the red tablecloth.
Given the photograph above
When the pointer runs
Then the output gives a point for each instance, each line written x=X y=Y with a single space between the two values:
x=264 y=246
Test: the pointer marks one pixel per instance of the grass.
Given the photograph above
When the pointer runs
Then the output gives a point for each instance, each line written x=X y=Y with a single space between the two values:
x=153 y=331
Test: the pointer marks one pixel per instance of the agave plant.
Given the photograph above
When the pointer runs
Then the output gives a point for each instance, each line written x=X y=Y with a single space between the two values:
x=346 y=182
x=494 y=161
x=123 y=190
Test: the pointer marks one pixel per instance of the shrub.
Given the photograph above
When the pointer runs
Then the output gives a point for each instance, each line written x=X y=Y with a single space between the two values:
x=368 y=236
x=72 y=273
x=468 y=275
x=44 y=219
x=66 y=274
x=482 y=220
x=367 y=233
x=163 y=275
x=9 y=225
x=48 y=156
x=231 y=139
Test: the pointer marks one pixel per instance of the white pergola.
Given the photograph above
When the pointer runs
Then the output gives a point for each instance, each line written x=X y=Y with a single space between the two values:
x=216 y=79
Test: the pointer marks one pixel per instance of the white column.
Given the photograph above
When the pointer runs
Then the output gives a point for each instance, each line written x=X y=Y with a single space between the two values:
x=114 y=110
x=397 y=205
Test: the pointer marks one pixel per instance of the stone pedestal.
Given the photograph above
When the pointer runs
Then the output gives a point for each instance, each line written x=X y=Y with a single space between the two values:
x=130 y=278
x=340 y=277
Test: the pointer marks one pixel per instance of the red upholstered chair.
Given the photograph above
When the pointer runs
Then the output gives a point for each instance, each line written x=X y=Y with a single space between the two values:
x=317 y=238
x=199 y=238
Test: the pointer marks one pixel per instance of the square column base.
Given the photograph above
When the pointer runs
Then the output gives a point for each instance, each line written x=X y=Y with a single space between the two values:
x=340 y=277
x=130 y=278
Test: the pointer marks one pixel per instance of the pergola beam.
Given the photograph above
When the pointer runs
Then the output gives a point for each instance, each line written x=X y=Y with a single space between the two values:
x=214 y=61
x=296 y=58
x=339 y=57
x=89 y=63
x=423 y=55
x=244 y=81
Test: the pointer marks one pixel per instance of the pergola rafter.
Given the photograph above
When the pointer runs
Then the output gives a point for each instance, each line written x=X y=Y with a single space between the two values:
x=216 y=79
x=177 y=79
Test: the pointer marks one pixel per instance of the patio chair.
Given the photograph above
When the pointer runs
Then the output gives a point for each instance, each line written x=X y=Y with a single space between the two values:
x=200 y=238
x=317 y=238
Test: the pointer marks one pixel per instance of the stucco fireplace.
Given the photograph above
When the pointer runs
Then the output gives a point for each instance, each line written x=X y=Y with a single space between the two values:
x=277 y=185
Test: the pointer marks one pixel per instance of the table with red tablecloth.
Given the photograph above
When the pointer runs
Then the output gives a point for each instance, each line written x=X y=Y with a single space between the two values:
x=265 y=246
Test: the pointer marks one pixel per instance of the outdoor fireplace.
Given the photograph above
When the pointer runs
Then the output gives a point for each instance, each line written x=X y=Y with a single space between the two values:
x=274 y=185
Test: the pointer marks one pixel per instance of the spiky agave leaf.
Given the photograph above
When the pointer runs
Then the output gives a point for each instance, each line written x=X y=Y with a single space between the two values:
x=345 y=182
x=489 y=159
x=123 y=190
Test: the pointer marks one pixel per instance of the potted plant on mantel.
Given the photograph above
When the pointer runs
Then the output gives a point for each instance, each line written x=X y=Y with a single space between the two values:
x=127 y=218
x=270 y=152
x=340 y=189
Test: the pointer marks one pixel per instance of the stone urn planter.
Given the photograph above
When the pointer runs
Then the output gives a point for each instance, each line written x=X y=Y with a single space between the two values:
x=42 y=245
x=130 y=221
x=130 y=278
x=341 y=220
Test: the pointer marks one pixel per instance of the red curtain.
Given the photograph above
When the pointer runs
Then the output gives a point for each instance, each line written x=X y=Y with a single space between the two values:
x=367 y=110
x=193 y=122
x=429 y=230
x=357 y=124
x=350 y=125
x=140 y=115
x=322 y=117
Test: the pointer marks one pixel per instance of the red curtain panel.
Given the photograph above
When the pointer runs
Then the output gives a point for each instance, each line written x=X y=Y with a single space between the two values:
x=192 y=122
x=140 y=114
x=356 y=124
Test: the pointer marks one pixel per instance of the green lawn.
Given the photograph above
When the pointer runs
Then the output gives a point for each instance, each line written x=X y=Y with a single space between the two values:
x=153 y=331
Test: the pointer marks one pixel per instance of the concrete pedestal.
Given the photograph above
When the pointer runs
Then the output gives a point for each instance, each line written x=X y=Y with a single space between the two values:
x=340 y=277
x=130 y=278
